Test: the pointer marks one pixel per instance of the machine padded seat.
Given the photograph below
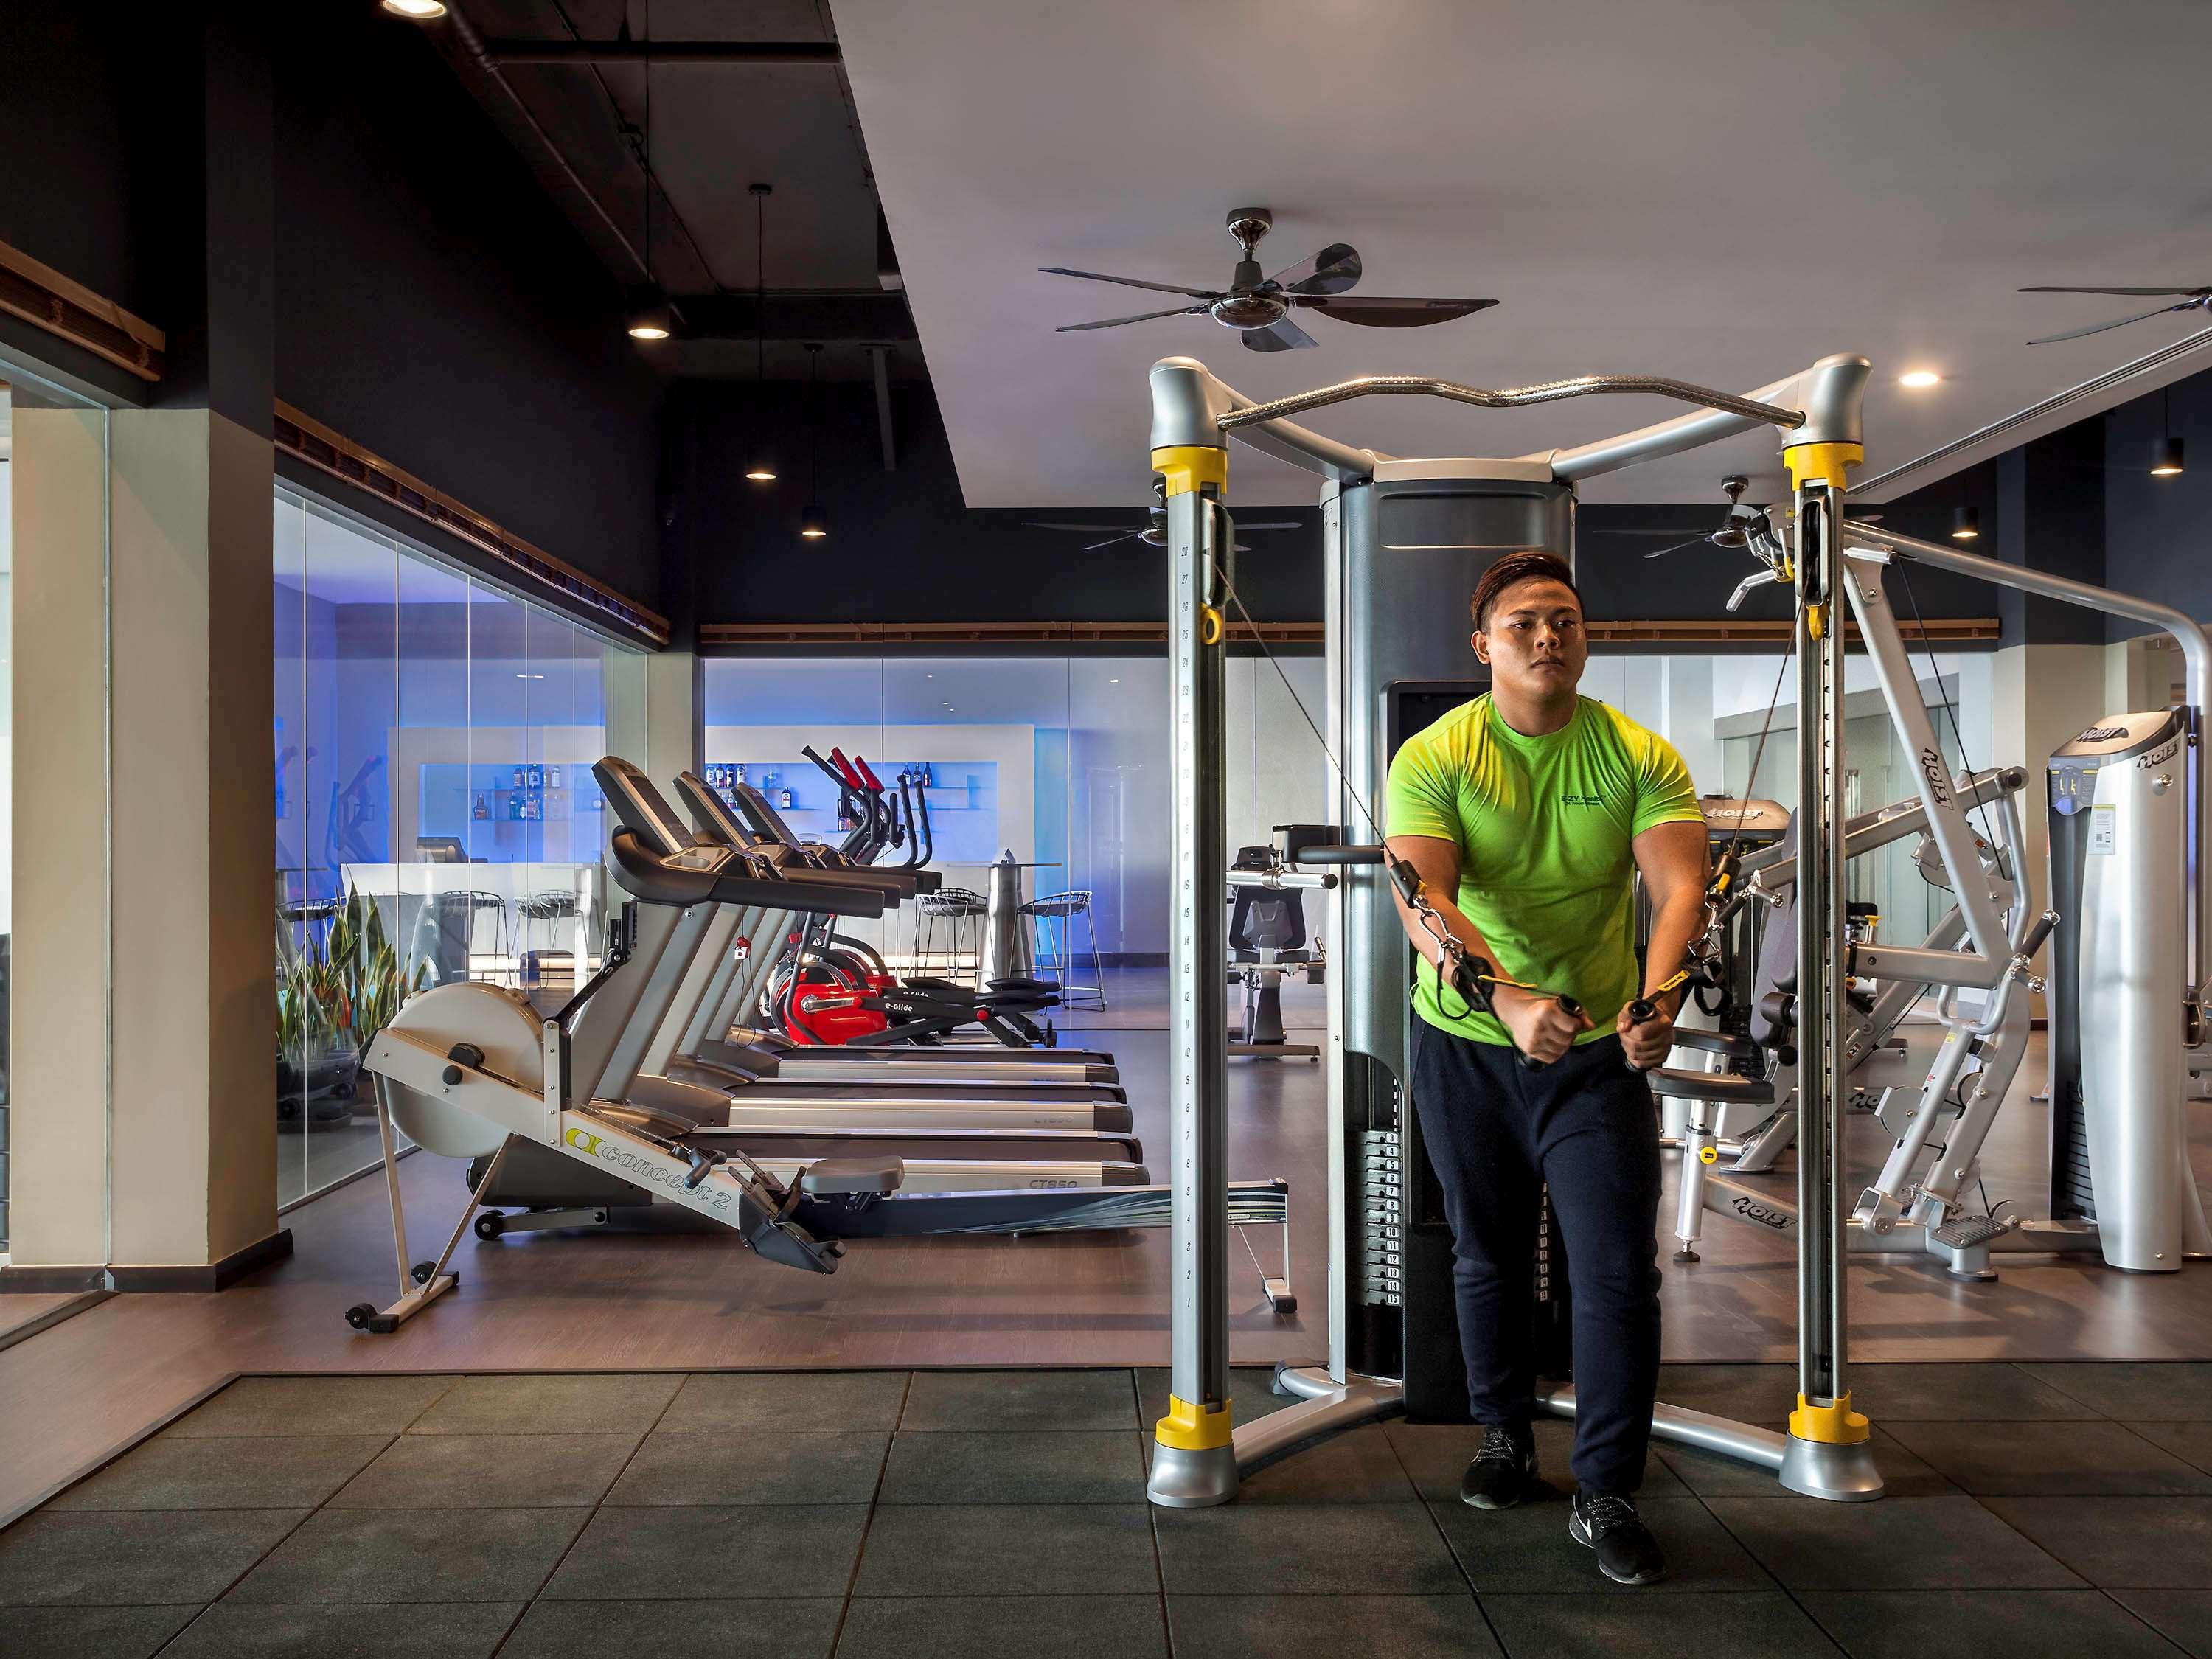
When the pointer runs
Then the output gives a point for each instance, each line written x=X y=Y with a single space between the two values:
x=1716 y=1043
x=1721 y=1086
x=852 y=1177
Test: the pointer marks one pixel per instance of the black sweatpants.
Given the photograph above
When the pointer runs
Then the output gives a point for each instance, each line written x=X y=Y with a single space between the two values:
x=1498 y=1133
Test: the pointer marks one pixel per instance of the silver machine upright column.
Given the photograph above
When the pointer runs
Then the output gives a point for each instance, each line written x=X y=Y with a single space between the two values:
x=1195 y=1461
x=1830 y=1452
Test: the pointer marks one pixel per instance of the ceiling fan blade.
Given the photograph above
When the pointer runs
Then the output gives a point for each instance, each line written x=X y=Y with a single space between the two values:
x=1051 y=524
x=1376 y=311
x=1141 y=317
x=1677 y=547
x=1281 y=335
x=1333 y=270
x=2118 y=322
x=1132 y=282
x=1110 y=541
x=1636 y=529
x=1282 y=524
x=2049 y=288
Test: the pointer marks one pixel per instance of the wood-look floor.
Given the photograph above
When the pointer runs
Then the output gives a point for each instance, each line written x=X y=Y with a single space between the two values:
x=694 y=1300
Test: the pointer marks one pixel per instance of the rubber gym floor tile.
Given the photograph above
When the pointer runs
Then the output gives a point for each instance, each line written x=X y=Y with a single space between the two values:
x=1911 y=1624
x=1293 y=1549
x=1330 y=1627
x=1360 y=1467
x=1899 y=1543
x=2168 y=1391
x=1251 y=1394
x=990 y=1402
x=1905 y=1472
x=290 y=1474
x=259 y=1406
x=2079 y=1458
x=676 y=1630
x=1743 y=1626
x=400 y=1556
x=991 y=1627
x=489 y=1472
x=1750 y=1394
x=117 y=1559
x=78 y=1632
x=1037 y=1549
x=549 y=1405
x=2183 y=1617
x=647 y=1554
x=2189 y=1442
x=411 y=1629
x=1029 y=1465
x=2148 y=1543
x=1527 y=1549
x=1435 y=1456
x=734 y=1402
x=1981 y=1391
x=758 y=1467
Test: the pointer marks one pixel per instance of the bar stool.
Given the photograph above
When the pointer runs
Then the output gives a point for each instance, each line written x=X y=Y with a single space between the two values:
x=950 y=907
x=549 y=907
x=479 y=901
x=1066 y=908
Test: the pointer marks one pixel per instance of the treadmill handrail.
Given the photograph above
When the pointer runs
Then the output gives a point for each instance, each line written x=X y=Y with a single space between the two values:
x=647 y=876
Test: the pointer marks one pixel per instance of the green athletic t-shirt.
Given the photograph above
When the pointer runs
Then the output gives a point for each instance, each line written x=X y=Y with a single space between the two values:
x=1543 y=827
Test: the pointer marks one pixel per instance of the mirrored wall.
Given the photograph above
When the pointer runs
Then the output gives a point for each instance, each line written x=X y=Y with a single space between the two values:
x=436 y=816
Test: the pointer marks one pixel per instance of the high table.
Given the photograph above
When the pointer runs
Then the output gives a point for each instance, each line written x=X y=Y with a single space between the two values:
x=1005 y=941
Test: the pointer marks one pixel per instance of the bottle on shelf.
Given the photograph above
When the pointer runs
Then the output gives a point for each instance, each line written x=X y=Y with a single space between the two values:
x=481 y=810
x=783 y=799
x=553 y=777
x=535 y=778
x=737 y=774
x=520 y=776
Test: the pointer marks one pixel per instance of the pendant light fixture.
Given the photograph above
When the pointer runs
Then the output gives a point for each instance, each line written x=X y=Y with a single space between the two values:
x=2166 y=457
x=811 y=524
x=1965 y=524
x=762 y=469
x=650 y=319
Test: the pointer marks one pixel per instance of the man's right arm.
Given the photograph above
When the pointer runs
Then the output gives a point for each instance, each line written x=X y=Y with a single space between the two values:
x=1542 y=1029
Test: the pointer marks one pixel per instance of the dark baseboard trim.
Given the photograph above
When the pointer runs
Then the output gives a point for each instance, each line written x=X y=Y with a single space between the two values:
x=216 y=1276
x=52 y=1281
x=52 y=1316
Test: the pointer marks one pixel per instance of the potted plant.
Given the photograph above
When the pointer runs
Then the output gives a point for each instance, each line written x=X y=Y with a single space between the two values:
x=334 y=993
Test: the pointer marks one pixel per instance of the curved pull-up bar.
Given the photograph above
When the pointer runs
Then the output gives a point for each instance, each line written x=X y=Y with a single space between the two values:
x=1550 y=391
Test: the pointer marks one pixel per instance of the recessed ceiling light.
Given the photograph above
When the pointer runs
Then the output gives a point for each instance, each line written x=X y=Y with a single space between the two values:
x=761 y=474
x=530 y=677
x=1919 y=378
x=421 y=10
x=1113 y=682
x=1965 y=524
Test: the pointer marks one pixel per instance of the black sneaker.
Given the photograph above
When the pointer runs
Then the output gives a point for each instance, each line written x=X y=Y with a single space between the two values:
x=1499 y=1476
x=1627 y=1553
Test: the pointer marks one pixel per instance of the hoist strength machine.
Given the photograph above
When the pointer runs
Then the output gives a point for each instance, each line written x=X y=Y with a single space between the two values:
x=1404 y=541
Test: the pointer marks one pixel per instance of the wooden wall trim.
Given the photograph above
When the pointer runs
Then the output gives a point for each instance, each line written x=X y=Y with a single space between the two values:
x=41 y=295
x=301 y=435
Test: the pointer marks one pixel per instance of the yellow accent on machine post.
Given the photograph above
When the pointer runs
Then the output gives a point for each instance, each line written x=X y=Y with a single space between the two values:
x=1187 y=467
x=1188 y=1427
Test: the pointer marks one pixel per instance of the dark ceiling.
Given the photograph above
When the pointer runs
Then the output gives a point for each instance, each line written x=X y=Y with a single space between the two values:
x=669 y=81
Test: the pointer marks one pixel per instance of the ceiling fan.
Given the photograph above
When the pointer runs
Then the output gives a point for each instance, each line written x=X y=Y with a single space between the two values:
x=1740 y=526
x=1260 y=306
x=2192 y=299
x=1153 y=533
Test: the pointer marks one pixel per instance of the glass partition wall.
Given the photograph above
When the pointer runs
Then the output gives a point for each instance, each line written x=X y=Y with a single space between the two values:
x=1062 y=764
x=436 y=816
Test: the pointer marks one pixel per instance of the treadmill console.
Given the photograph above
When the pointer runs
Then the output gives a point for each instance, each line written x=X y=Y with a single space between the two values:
x=643 y=809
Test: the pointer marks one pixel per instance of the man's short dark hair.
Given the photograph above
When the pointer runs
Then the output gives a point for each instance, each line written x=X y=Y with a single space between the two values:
x=1531 y=565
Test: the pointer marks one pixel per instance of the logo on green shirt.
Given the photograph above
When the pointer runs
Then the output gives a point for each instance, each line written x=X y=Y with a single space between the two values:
x=1572 y=799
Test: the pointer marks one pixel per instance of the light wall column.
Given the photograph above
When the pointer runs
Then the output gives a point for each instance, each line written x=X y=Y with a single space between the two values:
x=655 y=713
x=57 y=1078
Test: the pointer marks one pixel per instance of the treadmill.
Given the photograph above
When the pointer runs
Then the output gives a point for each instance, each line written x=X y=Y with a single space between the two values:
x=888 y=1103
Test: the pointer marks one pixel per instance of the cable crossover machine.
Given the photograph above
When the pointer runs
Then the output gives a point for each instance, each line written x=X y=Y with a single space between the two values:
x=1405 y=542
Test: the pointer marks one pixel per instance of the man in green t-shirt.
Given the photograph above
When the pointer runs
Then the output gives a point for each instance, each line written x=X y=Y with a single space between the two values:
x=1528 y=813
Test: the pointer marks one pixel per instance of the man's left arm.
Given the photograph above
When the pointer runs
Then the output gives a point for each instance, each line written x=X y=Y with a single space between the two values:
x=1671 y=858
